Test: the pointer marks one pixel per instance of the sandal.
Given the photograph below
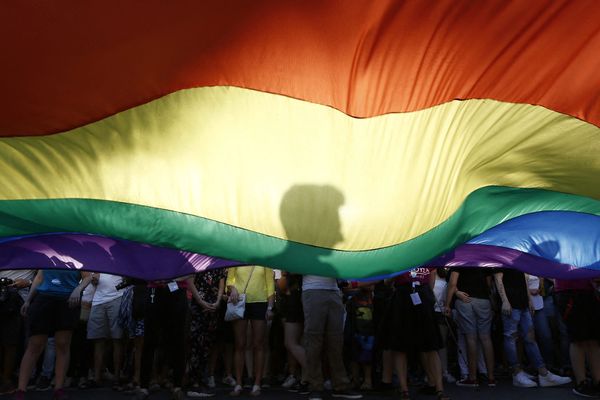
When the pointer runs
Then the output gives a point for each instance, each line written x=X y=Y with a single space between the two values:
x=442 y=396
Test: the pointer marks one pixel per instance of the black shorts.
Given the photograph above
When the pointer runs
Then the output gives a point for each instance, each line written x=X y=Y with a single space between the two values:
x=291 y=307
x=581 y=312
x=256 y=311
x=49 y=314
x=408 y=327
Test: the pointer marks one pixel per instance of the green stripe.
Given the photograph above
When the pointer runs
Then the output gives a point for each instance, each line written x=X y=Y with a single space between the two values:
x=481 y=210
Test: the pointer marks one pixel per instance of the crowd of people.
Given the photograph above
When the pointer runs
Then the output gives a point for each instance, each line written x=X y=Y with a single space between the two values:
x=250 y=328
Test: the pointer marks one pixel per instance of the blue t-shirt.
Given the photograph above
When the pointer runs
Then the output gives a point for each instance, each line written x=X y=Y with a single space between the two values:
x=59 y=282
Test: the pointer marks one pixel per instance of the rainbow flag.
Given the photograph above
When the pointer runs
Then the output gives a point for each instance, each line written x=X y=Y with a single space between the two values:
x=347 y=139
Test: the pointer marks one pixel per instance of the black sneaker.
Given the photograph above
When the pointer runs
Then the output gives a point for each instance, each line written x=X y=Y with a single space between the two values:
x=346 y=394
x=43 y=384
x=300 y=388
x=584 y=389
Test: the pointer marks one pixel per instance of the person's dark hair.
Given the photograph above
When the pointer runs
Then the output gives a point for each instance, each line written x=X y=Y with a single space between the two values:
x=442 y=272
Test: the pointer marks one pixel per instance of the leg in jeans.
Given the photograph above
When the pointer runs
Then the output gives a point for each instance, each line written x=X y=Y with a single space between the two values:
x=510 y=339
x=544 y=336
x=531 y=347
x=315 y=318
x=335 y=341
x=49 y=359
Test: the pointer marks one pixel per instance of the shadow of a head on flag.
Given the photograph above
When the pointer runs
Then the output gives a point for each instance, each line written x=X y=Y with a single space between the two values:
x=310 y=215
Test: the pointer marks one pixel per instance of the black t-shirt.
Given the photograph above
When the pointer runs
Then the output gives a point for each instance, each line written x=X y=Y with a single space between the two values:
x=515 y=288
x=473 y=282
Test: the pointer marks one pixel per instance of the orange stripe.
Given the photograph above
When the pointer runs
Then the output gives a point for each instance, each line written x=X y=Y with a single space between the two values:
x=71 y=63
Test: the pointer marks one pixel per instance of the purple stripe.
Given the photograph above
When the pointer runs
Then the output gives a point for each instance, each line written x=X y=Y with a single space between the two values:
x=103 y=254
x=477 y=255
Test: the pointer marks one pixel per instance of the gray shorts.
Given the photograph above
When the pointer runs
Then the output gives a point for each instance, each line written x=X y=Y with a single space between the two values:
x=104 y=321
x=474 y=317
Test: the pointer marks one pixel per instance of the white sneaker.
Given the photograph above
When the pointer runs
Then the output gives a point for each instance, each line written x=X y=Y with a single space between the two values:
x=229 y=381
x=521 y=380
x=289 y=382
x=532 y=377
x=449 y=378
x=210 y=382
x=553 y=380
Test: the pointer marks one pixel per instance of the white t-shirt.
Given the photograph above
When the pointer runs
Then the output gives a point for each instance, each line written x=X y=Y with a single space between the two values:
x=314 y=282
x=533 y=282
x=105 y=290
x=439 y=290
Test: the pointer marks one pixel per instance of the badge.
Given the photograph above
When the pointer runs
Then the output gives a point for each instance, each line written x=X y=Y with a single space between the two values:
x=173 y=286
x=416 y=299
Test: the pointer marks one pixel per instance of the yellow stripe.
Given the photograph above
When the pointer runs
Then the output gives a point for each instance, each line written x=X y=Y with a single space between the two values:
x=230 y=154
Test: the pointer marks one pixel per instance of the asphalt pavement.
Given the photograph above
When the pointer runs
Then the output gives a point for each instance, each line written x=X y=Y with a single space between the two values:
x=503 y=391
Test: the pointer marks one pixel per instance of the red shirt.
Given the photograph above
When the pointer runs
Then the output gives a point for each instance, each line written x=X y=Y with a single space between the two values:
x=421 y=275
x=578 y=284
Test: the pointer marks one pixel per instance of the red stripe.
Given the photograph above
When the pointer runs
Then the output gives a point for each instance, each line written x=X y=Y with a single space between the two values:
x=70 y=63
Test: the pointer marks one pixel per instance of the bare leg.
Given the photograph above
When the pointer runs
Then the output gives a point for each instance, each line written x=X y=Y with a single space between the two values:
x=239 y=332
x=387 y=366
x=9 y=356
x=62 y=341
x=433 y=369
x=577 y=353
x=248 y=351
x=258 y=334
x=35 y=347
x=117 y=358
x=293 y=335
x=98 y=359
x=228 y=361
x=488 y=354
x=593 y=352
x=472 y=355
x=368 y=372
x=401 y=369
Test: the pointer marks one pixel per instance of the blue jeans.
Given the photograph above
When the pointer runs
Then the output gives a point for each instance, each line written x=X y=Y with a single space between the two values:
x=543 y=335
x=49 y=359
x=520 y=323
